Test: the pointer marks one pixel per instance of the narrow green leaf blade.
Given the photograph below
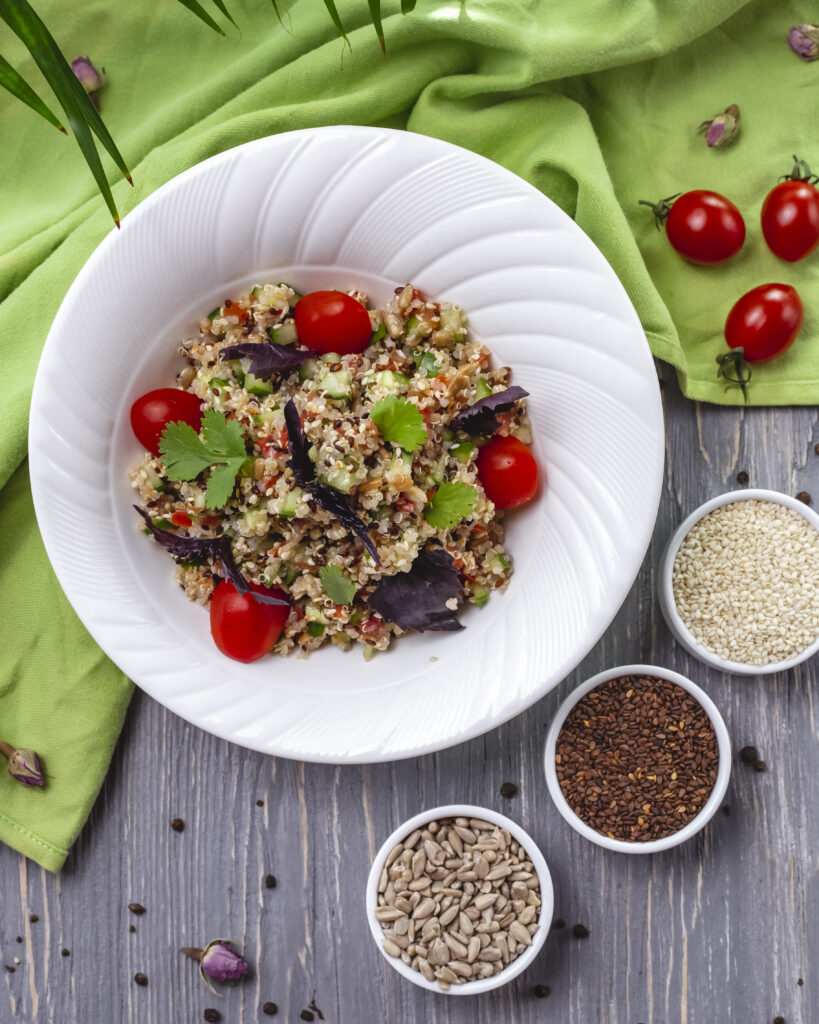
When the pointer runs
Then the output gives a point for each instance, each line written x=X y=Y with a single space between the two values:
x=19 y=87
x=220 y=4
x=334 y=17
x=375 y=14
x=196 y=8
x=407 y=6
x=278 y=12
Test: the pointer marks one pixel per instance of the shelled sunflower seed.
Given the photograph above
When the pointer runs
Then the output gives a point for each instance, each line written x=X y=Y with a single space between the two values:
x=458 y=900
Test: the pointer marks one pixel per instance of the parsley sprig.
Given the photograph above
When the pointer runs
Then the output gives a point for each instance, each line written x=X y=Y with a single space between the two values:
x=220 y=447
x=399 y=422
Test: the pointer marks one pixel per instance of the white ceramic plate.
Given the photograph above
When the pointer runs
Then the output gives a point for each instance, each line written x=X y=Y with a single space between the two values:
x=337 y=207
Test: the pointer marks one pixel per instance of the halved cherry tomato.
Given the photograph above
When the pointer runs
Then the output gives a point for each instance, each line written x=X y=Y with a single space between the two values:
x=790 y=215
x=151 y=413
x=242 y=628
x=765 y=322
x=704 y=227
x=332 y=322
x=508 y=472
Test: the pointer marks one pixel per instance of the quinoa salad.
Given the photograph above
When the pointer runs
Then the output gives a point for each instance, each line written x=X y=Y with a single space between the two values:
x=345 y=491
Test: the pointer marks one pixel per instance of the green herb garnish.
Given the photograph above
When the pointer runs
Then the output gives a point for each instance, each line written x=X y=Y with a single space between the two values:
x=451 y=503
x=400 y=422
x=220 y=448
x=429 y=365
x=337 y=586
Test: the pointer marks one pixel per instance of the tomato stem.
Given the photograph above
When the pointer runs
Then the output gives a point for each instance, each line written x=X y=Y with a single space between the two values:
x=660 y=209
x=734 y=367
x=800 y=172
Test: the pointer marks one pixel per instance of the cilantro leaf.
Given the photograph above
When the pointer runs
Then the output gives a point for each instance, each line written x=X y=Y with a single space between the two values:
x=337 y=586
x=400 y=422
x=220 y=447
x=451 y=503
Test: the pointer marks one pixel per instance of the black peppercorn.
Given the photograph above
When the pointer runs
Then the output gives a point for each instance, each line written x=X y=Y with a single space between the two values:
x=742 y=477
x=760 y=766
x=580 y=931
x=270 y=881
x=178 y=825
x=211 y=1015
x=541 y=991
x=270 y=1009
x=748 y=755
x=141 y=979
x=66 y=952
x=508 y=789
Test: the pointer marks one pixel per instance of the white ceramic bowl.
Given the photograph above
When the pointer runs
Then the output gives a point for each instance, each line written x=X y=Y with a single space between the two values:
x=665 y=584
x=340 y=207
x=712 y=803
x=546 y=895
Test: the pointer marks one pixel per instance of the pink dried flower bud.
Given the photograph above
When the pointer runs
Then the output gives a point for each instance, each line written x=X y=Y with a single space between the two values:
x=218 y=961
x=723 y=128
x=24 y=765
x=89 y=78
x=804 y=41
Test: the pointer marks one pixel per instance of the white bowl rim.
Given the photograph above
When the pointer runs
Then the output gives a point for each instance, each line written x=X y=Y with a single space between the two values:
x=717 y=793
x=668 y=604
x=546 y=895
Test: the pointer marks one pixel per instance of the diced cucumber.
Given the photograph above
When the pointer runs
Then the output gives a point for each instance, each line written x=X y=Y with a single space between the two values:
x=217 y=383
x=463 y=452
x=254 y=386
x=254 y=294
x=483 y=389
x=272 y=572
x=341 y=478
x=439 y=470
x=338 y=384
x=283 y=334
x=314 y=614
x=155 y=479
x=247 y=468
x=265 y=416
x=412 y=323
x=315 y=628
x=378 y=334
x=296 y=295
x=452 y=317
x=369 y=652
x=291 y=574
x=429 y=365
x=447 y=434
x=331 y=357
x=523 y=431
x=502 y=560
x=163 y=524
x=309 y=369
x=480 y=595
x=290 y=503
x=253 y=518
x=214 y=313
x=389 y=380
x=356 y=617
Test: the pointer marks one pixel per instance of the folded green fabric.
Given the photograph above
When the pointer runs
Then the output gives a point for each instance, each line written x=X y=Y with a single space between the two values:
x=596 y=103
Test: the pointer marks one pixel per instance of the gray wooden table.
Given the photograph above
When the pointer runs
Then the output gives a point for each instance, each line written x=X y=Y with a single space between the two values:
x=720 y=930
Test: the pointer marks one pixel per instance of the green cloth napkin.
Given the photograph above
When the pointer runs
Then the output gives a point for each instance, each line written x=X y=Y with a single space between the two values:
x=595 y=102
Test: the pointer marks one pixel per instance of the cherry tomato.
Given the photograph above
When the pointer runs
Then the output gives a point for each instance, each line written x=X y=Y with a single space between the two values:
x=332 y=322
x=181 y=519
x=151 y=413
x=790 y=215
x=764 y=322
x=508 y=472
x=702 y=226
x=242 y=628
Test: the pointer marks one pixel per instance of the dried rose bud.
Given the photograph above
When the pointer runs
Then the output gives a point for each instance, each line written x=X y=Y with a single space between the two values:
x=804 y=41
x=89 y=78
x=218 y=961
x=723 y=128
x=24 y=765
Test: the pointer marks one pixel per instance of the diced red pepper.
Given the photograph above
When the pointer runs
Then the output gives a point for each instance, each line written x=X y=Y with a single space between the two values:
x=181 y=519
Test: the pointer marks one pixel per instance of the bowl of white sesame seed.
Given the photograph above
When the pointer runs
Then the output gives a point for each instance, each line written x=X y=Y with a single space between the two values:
x=739 y=582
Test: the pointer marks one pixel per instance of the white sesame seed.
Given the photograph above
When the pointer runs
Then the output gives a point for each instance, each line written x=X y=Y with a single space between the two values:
x=746 y=582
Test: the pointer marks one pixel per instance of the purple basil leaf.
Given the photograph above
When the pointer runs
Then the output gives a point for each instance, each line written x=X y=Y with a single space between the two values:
x=266 y=358
x=300 y=462
x=207 y=547
x=336 y=504
x=328 y=498
x=417 y=599
x=480 y=418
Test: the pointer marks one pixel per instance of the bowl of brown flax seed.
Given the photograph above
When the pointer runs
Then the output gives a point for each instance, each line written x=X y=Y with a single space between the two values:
x=637 y=759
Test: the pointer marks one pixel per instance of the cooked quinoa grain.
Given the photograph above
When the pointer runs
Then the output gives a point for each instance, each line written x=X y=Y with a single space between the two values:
x=280 y=536
x=746 y=582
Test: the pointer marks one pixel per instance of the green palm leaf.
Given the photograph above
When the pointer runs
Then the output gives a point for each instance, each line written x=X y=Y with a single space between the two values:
x=226 y=12
x=336 y=20
x=79 y=110
x=196 y=8
x=375 y=14
x=407 y=6
x=20 y=88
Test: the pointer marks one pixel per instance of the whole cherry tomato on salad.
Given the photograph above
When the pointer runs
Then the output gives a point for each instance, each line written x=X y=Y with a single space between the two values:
x=332 y=322
x=762 y=325
x=151 y=413
x=508 y=472
x=790 y=214
x=704 y=227
x=242 y=628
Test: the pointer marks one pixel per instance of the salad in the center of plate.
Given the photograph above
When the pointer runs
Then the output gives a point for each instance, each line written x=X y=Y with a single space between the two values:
x=325 y=471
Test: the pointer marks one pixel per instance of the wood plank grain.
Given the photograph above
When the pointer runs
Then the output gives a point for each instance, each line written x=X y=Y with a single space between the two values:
x=718 y=930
